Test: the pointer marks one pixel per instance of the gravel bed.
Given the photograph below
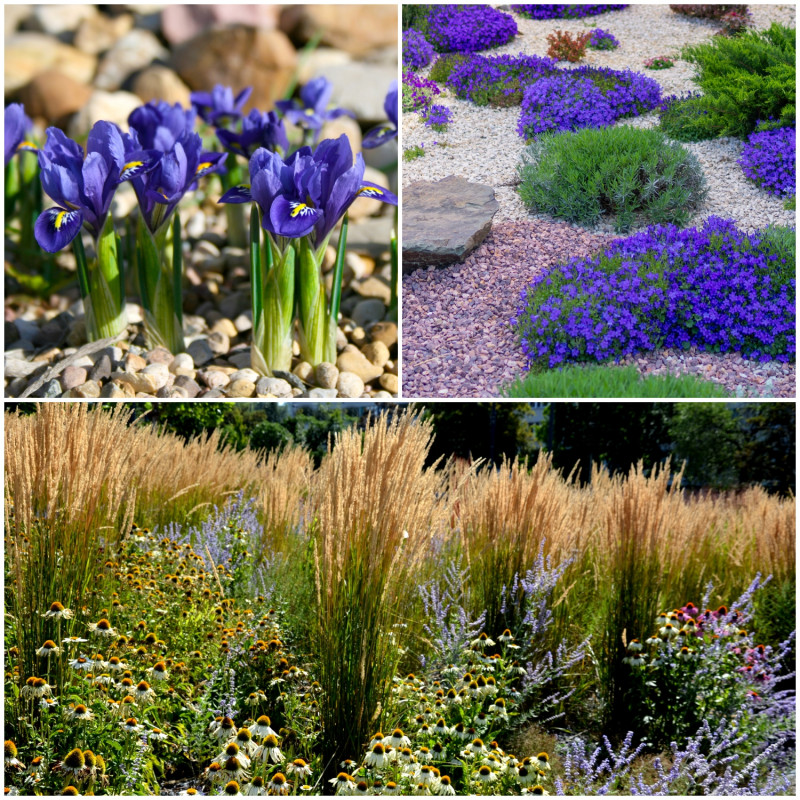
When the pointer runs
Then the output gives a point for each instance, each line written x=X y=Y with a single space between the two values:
x=457 y=340
x=451 y=355
x=46 y=354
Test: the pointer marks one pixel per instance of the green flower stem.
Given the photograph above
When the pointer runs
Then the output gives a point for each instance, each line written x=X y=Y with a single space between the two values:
x=312 y=305
x=160 y=288
x=30 y=199
x=272 y=265
x=234 y=212
x=102 y=286
x=392 y=312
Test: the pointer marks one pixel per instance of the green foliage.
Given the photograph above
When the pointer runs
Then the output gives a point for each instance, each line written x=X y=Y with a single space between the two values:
x=416 y=17
x=594 y=380
x=708 y=438
x=635 y=175
x=494 y=431
x=745 y=79
x=767 y=454
x=415 y=151
x=791 y=203
x=444 y=65
x=269 y=436
x=684 y=120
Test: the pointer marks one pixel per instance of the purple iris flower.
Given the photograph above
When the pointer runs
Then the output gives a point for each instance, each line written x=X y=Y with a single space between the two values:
x=84 y=187
x=258 y=130
x=177 y=171
x=219 y=107
x=312 y=110
x=308 y=193
x=17 y=126
x=158 y=125
x=386 y=131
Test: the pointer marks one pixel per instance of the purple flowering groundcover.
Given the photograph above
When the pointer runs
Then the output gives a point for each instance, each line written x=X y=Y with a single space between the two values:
x=586 y=97
x=465 y=29
x=575 y=11
x=715 y=288
x=769 y=158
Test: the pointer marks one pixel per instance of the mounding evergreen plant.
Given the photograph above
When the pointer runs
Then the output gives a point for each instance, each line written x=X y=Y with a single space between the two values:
x=743 y=79
x=634 y=175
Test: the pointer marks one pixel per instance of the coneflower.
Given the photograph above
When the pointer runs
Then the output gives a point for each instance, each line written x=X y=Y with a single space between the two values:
x=278 y=784
x=269 y=750
x=48 y=649
x=343 y=783
x=377 y=758
x=79 y=713
x=143 y=693
x=10 y=755
x=159 y=671
x=57 y=611
x=36 y=687
x=101 y=628
x=73 y=764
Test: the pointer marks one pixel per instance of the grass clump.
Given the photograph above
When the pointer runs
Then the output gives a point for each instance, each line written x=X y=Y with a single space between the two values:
x=415 y=151
x=593 y=380
x=634 y=175
x=743 y=79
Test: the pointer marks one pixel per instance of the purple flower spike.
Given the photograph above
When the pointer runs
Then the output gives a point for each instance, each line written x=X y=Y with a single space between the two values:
x=312 y=110
x=219 y=107
x=17 y=126
x=84 y=187
x=310 y=192
x=258 y=130
x=386 y=131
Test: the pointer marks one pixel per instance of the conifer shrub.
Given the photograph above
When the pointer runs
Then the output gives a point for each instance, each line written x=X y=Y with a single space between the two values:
x=743 y=79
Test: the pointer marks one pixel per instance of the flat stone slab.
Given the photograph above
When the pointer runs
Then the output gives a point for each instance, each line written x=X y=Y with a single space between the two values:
x=444 y=221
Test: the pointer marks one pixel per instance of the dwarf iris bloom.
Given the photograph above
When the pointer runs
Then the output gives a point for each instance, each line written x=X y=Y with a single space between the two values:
x=82 y=187
x=386 y=130
x=17 y=126
x=219 y=107
x=312 y=110
x=258 y=130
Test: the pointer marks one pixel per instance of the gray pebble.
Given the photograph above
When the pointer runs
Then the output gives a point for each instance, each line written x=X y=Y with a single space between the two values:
x=191 y=387
x=349 y=385
x=273 y=386
x=322 y=394
x=101 y=369
x=200 y=352
x=73 y=376
x=326 y=375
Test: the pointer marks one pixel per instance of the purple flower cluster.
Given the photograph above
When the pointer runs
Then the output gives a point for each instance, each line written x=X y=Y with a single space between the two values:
x=586 y=97
x=418 y=93
x=768 y=159
x=714 y=288
x=563 y=11
x=479 y=77
x=418 y=52
x=438 y=115
x=603 y=40
x=465 y=29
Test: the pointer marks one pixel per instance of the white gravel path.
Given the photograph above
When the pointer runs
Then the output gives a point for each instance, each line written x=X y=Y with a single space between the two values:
x=482 y=144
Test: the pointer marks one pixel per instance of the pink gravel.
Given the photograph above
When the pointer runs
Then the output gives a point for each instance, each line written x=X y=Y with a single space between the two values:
x=457 y=340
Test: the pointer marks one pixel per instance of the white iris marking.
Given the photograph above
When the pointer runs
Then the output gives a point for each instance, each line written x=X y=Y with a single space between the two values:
x=300 y=210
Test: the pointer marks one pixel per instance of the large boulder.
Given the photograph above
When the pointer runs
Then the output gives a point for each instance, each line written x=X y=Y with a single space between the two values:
x=444 y=221
x=239 y=56
x=357 y=29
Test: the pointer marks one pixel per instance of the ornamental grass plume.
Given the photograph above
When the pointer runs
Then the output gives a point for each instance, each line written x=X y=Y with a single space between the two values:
x=374 y=514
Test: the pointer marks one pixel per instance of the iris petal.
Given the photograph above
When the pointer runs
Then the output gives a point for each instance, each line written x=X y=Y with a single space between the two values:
x=292 y=219
x=238 y=194
x=56 y=228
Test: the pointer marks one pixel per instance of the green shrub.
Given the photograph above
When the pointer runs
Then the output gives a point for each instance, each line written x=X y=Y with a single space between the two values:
x=635 y=175
x=601 y=381
x=745 y=79
x=415 y=17
x=444 y=65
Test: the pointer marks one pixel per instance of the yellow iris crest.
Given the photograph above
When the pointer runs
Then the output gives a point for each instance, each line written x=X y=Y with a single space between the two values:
x=59 y=221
